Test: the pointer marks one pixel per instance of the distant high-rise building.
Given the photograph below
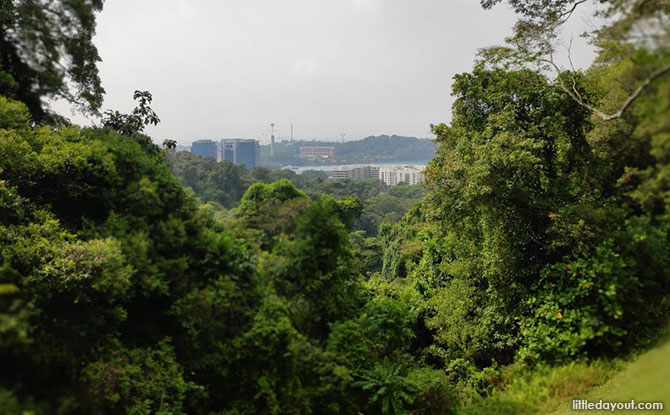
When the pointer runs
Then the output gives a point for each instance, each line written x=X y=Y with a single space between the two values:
x=241 y=151
x=204 y=148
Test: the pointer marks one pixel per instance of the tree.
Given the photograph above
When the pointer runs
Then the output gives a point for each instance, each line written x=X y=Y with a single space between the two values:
x=169 y=144
x=391 y=391
x=111 y=279
x=543 y=246
x=631 y=26
x=135 y=122
x=46 y=51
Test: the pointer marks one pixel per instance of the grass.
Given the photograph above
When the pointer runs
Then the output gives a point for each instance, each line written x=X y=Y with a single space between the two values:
x=647 y=379
x=551 y=390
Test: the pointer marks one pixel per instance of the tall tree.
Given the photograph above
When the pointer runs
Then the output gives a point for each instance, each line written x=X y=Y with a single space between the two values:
x=46 y=51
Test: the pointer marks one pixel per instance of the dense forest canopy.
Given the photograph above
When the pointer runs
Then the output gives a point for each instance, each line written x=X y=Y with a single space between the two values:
x=223 y=184
x=540 y=238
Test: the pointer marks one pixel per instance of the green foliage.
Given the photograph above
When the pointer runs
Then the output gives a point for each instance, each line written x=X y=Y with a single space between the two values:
x=271 y=355
x=47 y=51
x=540 y=238
x=101 y=249
x=13 y=115
x=267 y=210
x=349 y=210
x=522 y=162
x=225 y=183
x=136 y=301
x=396 y=390
x=392 y=393
x=141 y=381
x=543 y=236
x=129 y=124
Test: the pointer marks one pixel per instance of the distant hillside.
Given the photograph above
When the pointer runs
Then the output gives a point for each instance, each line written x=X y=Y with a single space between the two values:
x=376 y=149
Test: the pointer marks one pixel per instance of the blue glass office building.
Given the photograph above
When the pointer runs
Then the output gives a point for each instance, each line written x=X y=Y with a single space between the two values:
x=204 y=148
x=241 y=151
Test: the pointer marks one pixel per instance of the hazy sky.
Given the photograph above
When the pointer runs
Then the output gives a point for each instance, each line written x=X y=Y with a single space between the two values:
x=228 y=68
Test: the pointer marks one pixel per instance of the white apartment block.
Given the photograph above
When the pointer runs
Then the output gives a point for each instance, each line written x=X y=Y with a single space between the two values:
x=392 y=175
x=356 y=173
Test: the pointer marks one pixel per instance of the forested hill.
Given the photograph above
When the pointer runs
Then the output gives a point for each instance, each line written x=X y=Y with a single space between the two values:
x=221 y=185
x=535 y=261
x=374 y=149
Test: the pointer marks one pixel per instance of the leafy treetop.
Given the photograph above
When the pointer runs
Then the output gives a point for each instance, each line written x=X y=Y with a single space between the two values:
x=47 y=51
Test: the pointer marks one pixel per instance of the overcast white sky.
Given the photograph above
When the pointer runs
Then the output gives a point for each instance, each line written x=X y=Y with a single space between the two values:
x=228 y=68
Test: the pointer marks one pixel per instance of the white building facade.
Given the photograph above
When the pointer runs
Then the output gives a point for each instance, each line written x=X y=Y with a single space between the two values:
x=392 y=175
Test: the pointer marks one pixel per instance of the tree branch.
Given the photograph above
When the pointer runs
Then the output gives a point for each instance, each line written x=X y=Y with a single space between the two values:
x=568 y=14
x=657 y=73
x=576 y=96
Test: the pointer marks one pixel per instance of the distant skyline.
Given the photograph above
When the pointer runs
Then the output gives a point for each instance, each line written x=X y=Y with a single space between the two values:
x=336 y=140
x=220 y=69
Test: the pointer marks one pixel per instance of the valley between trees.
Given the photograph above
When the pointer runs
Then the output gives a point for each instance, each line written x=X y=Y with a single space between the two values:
x=531 y=266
